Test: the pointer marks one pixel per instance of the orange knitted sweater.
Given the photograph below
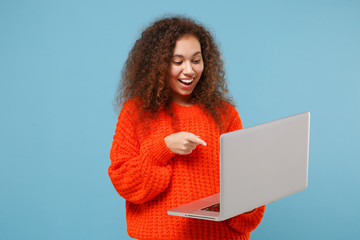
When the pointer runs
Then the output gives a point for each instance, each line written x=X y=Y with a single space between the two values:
x=152 y=179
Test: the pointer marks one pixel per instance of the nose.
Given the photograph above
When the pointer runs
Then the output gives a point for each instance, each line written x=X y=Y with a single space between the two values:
x=188 y=69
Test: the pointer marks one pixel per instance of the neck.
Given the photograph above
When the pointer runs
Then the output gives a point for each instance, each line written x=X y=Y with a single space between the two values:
x=183 y=101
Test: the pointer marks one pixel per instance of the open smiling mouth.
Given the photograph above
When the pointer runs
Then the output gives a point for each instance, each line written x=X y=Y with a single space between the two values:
x=186 y=81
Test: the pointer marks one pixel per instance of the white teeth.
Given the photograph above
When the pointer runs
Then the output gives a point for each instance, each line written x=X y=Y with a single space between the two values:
x=186 y=81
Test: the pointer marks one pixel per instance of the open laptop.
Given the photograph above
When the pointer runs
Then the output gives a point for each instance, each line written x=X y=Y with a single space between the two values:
x=258 y=165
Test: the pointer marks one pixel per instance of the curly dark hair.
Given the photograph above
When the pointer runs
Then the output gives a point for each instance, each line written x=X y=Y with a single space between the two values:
x=146 y=70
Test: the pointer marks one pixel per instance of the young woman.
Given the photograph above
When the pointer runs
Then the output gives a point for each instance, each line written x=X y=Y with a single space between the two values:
x=165 y=151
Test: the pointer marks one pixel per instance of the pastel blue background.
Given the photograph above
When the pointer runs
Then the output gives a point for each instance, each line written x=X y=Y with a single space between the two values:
x=60 y=63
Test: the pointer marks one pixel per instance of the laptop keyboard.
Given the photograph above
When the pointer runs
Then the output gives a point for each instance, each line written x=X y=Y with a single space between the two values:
x=212 y=208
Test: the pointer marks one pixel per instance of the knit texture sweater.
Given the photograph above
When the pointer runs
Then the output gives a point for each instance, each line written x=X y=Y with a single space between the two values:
x=152 y=179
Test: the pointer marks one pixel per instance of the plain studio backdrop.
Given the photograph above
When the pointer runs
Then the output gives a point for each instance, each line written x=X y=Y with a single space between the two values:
x=60 y=63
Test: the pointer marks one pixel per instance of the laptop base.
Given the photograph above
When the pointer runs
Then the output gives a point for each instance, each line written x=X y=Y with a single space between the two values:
x=194 y=209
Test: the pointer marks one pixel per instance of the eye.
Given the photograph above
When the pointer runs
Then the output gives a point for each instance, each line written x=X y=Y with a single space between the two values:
x=197 y=60
x=177 y=62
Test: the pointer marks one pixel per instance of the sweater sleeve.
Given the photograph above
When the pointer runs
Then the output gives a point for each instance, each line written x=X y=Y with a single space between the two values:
x=139 y=171
x=248 y=221
x=235 y=121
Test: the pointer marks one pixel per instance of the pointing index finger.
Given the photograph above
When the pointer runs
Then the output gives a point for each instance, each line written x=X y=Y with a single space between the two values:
x=198 y=140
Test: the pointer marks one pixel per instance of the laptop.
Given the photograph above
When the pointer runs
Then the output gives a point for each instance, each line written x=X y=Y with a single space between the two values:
x=258 y=165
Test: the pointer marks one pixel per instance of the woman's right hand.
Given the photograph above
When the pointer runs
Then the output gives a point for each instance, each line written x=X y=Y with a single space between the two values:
x=183 y=143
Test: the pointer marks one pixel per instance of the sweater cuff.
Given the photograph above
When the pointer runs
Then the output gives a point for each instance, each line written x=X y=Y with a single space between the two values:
x=248 y=221
x=159 y=151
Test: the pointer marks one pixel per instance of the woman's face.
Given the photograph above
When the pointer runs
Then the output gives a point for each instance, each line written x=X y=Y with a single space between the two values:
x=185 y=69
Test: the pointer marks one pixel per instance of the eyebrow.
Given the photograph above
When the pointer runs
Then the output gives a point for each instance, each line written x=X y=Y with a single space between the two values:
x=178 y=55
